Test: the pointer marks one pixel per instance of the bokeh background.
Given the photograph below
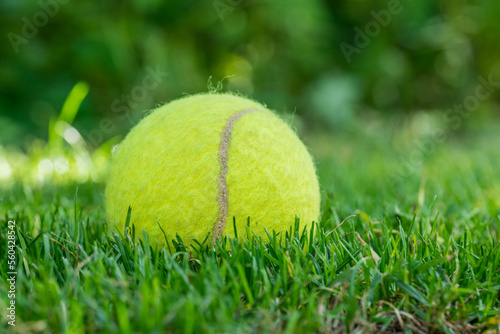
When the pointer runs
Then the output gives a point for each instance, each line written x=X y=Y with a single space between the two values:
x=75 y=76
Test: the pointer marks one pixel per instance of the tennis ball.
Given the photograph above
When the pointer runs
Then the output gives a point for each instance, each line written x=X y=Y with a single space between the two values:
x=195 y=164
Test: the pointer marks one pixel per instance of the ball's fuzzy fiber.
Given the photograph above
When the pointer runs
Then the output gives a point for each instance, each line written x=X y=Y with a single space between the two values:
x=197 y=162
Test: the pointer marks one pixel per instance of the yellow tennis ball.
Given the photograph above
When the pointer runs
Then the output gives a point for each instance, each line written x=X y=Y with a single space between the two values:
x=195 y=163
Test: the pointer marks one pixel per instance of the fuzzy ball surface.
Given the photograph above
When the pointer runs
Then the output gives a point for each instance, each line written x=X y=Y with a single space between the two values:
x=195 y=164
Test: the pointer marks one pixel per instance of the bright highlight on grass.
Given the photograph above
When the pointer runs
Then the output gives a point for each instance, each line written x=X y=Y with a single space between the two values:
x=5 y=169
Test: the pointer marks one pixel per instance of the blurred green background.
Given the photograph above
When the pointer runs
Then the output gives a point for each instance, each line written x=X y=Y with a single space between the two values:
x=84 y=73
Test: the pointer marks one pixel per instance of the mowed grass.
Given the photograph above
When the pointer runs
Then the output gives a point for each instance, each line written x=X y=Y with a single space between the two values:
x=410 y=248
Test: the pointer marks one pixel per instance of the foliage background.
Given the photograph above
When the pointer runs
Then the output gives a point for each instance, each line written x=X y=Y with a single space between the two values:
x=284 y=53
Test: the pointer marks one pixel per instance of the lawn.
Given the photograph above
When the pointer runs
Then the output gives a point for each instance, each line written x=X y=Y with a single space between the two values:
x=408 y=242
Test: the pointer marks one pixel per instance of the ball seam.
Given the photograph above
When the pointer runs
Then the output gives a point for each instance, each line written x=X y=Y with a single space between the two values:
x=223 y=191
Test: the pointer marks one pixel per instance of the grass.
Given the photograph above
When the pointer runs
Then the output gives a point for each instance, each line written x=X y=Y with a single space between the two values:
x=398 y=249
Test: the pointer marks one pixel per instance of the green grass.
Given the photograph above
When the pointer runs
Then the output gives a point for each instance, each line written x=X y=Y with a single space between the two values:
x=421 y=254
